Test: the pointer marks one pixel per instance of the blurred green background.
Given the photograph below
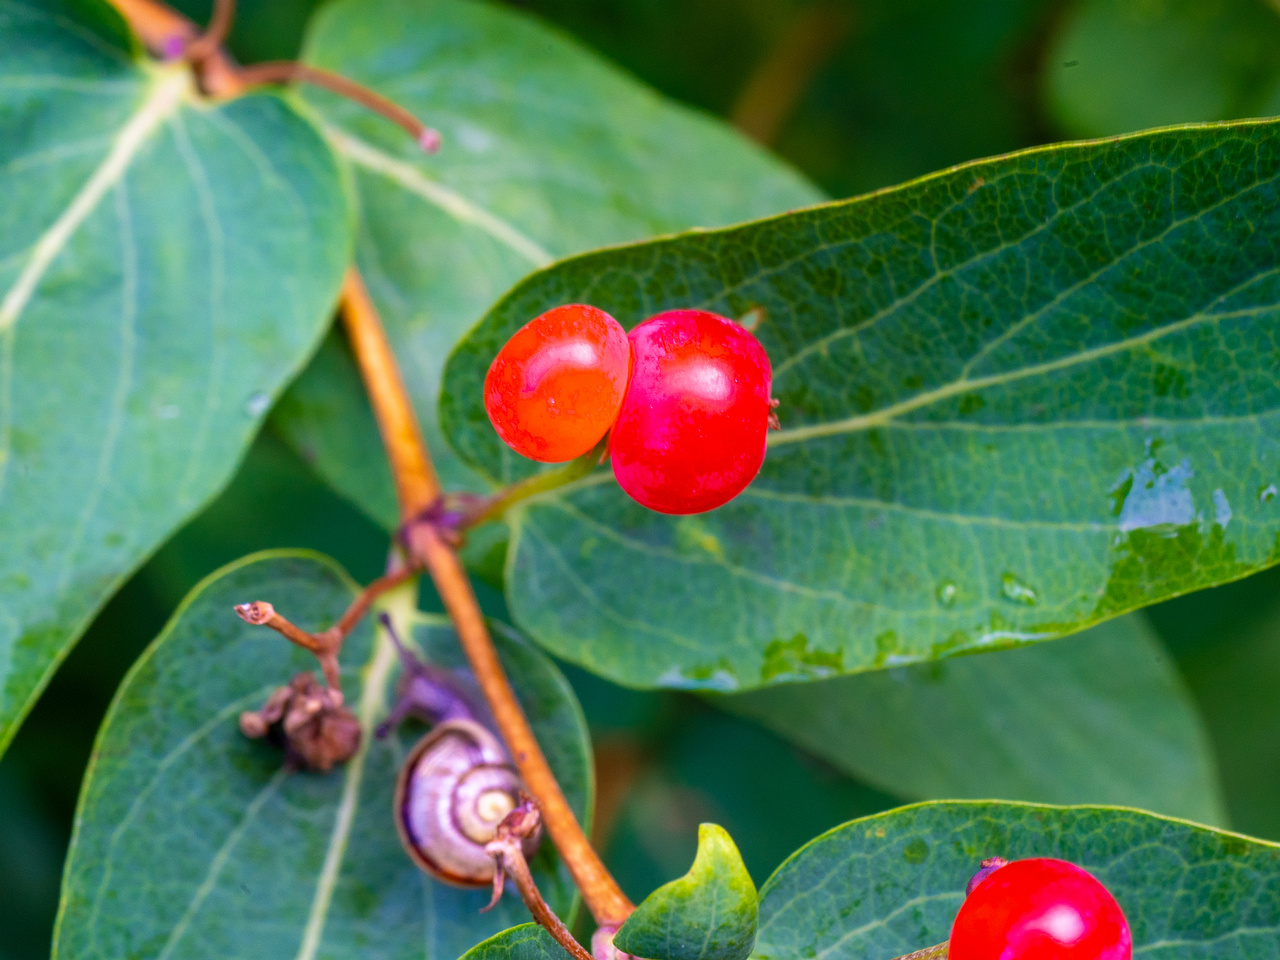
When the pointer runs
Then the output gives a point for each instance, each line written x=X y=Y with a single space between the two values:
x=858 y=94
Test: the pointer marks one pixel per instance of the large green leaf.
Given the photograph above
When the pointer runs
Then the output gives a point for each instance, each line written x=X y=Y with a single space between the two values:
x=1102 y=717
x=166 y=265
x=1119 y=65
x=548 y=151
x=525 y=942
x=1018 y=397
x=889 y=884
x=191 y=842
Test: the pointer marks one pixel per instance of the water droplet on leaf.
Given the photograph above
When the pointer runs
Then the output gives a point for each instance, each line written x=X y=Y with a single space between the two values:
x=1016 y=591
x=947 y=591
x=257 y=404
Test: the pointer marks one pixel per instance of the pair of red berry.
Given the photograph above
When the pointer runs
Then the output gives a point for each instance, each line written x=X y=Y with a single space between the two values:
x=685 y=394
x=1038 y=909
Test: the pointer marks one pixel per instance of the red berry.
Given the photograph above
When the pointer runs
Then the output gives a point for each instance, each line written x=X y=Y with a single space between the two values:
x=1040 y=909
x=555 y=387
x=691 y=434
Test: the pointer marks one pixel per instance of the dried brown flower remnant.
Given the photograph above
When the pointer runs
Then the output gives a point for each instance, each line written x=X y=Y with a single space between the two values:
x=306 y=719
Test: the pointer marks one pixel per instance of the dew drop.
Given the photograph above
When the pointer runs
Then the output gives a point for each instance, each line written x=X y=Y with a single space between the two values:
x=1017 y=591
x=947 y=591
x=257 y=404
x=1267 y=493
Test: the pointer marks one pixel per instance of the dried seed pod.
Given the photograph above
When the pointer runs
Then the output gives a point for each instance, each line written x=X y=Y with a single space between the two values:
x=455 y=787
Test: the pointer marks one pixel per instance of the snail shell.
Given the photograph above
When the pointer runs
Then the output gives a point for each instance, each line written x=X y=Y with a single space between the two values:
x=454 y=788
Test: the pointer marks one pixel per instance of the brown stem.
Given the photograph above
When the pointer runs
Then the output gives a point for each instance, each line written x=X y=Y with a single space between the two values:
x=327 y=644
x=290 y=71
x=604 y=898
x=506 y=848
x=936 y=952
x=361 y=604
x=224 y=12
x=417 y=488
x=778 y=83
x=454 y=513
x=165 y=32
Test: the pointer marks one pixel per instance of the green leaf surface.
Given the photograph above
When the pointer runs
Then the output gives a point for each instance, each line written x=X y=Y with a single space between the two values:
x=166 y=265
x=890 y=884
x=548 y=151
x=1017 y=398
x=1120 y=65
x=708 y=914
x=191 y=843
x=1101 y=717
x=525 y=942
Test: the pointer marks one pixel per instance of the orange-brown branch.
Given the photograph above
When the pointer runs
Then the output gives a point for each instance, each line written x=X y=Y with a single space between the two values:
x=290 y=71
x=417 y=487
x=159 y=27
x=416 y=484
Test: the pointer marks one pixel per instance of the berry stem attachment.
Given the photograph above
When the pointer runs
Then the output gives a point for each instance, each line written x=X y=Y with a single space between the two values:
x=418 y=488
x=290 y=71
x=224 y=12
x=453 y=514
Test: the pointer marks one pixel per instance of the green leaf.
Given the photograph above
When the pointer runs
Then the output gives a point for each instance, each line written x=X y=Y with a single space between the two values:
x=166 y=265
x=525 y=942
x=1119 y=65
x=890 y=884
x=548 y=151
x=708 y=914
x=239 y=858
x=1101 y=717
x=1017 y=398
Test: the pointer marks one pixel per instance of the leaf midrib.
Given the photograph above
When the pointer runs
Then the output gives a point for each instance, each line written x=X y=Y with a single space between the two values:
x=164 y=99
x=460 y=208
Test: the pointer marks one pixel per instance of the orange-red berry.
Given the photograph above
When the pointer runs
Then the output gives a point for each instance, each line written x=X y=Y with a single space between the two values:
x=555 y=388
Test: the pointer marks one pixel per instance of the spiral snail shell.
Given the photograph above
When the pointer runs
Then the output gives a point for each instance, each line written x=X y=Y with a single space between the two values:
x=454 y=788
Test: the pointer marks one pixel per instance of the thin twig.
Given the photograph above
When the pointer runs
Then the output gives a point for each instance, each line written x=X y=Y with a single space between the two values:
x=507 y=850
x=327 y=644
x=224 y=12
x=167 y=33
x=452 y=514
x=417 y=488
x=290 y=71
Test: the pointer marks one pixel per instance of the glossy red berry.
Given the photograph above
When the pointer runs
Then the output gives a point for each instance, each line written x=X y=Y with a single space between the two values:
x=691 y=434
x=555 y=388
x=1040 y=909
